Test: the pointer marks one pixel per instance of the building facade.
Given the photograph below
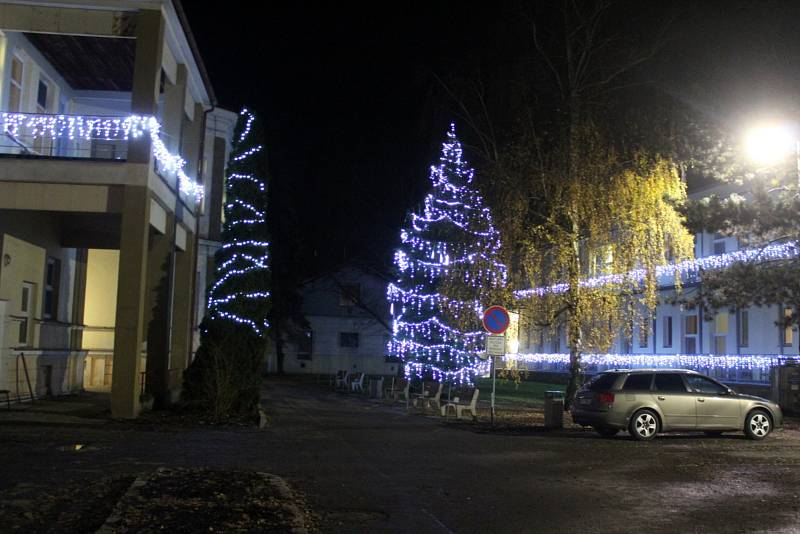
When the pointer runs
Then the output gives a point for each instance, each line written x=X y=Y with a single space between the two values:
x=111 y=177
x=348 y=326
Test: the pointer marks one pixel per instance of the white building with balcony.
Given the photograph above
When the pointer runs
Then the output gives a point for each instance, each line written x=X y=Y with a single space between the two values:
x=111 y=178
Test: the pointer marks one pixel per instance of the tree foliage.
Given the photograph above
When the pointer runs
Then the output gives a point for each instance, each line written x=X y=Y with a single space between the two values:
x=448 y=273
x=224 y=377
x=585 y=170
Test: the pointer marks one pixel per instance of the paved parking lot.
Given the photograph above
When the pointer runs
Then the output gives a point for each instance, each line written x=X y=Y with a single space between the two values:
x=367 y=467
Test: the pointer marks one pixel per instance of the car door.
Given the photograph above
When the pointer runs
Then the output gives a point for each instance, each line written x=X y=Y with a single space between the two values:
x=717 y=408
x=676 y=402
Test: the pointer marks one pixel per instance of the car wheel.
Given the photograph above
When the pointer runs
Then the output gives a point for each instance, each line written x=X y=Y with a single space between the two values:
x=606 y=432
x=757 y=425
x=644 y=425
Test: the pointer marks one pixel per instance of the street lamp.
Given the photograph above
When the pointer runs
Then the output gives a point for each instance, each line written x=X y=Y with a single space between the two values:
x=771 y=144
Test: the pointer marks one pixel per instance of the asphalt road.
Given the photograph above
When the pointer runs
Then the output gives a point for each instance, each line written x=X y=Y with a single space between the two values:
x=367 y=467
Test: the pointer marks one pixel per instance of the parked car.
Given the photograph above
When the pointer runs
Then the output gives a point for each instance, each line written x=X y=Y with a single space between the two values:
x=648 y=401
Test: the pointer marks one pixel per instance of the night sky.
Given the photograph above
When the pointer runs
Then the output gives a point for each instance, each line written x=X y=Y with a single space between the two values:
x=354 y=115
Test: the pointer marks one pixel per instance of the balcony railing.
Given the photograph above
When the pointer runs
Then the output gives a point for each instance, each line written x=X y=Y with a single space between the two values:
x=93 y=137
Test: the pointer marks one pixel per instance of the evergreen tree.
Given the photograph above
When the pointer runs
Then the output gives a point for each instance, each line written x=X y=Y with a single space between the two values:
x=225 y=373
x=448 y=274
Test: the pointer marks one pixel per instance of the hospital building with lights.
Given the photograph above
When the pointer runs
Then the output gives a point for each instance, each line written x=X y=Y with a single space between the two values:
x=112 y=156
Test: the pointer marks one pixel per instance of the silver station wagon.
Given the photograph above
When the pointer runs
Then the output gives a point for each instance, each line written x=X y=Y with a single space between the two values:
x=648 y=401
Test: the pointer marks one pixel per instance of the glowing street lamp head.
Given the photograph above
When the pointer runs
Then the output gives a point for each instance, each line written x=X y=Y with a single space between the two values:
x=770 y=145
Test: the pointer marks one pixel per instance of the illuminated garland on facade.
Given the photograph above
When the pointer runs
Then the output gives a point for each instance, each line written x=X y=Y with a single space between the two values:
x=243 y=261
x=775 y=251
x=728 y=362
x=88 y=128
x=451 y=239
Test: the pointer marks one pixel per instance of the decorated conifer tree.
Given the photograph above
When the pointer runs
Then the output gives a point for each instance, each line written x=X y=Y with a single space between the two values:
x=225 y=373
x=448 y=273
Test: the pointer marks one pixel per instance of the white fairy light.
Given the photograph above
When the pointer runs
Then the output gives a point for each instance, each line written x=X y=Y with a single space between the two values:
x=775 y=251
x=87 y=128
x=243 y=257
x=421 y=338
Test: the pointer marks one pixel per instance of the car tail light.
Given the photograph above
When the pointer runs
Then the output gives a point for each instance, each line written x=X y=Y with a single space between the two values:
x=605 y=398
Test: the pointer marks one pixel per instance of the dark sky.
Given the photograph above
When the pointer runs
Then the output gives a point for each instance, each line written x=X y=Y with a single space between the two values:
x=354 y=116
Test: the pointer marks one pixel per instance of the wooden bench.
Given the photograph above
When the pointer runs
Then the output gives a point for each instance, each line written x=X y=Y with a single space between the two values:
x=464 y=400
x=398 y=387
x=430 y=395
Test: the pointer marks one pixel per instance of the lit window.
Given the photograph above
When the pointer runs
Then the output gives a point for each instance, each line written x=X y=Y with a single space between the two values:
x=15 y=93
x=788 y=333
x=744 y=328
x=690 y=334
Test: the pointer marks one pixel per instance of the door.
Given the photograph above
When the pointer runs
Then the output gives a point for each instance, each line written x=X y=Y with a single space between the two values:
x=676 y=402
x=25 y=314
x=716 y=408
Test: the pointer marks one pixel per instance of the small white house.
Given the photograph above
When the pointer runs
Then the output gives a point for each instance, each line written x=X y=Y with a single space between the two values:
x=349 y=325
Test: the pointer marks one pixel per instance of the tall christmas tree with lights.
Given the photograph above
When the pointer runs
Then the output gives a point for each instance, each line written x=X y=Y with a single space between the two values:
x=225 y=373
x=448 y=273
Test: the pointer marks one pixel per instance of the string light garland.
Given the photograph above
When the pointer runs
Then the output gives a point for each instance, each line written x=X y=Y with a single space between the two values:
x=243 y=260
x=451 y=239
x=771 y=252
x=700 y=362
x=88 y=128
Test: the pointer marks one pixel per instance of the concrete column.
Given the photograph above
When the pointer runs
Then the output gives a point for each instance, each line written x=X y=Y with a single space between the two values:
x=146 y=76
x=174 y=100
x=131 y=296
x=184 y=300
x=158 y=302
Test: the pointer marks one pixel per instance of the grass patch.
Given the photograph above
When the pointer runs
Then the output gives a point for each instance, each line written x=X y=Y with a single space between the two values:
x=526 y=392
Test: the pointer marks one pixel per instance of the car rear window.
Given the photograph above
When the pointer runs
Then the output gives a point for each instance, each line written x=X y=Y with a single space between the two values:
x=638 y=381
x=669 y=382
x=604 y=381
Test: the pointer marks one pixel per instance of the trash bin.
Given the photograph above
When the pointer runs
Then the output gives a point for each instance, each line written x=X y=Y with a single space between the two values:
x=554 y=409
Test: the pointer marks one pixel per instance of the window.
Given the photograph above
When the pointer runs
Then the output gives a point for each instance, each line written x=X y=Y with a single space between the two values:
x=51 y=285
x=643 y=334
x=603 y=381
x=15 y=93
x=41 y=97
x=720 y=332
x=719 y=243
x=305 y=345
x=788 y=334
x=639 y=381
x=690 y=334
x=669 y=382
x=744 y=328
x=350 y=294
x=348 y=340
x=26 y=312
x=42 y=145
x=667 y=332
x=701 y=384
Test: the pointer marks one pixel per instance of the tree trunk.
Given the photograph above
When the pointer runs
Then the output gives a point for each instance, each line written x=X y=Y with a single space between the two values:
x=279 y=356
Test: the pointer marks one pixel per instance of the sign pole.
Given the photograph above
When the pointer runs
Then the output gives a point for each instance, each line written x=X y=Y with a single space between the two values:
x=494 y=377
x=495 y=321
